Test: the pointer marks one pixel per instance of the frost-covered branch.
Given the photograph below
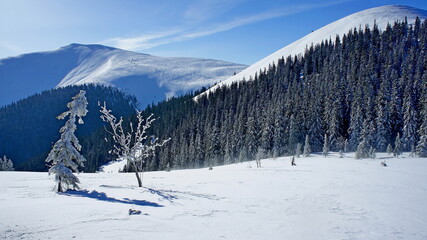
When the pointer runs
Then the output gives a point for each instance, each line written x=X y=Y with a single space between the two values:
x=133 y=145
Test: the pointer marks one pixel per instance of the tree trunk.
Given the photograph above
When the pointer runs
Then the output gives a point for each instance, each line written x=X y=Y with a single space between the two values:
x=139 y=179
x=59 y=185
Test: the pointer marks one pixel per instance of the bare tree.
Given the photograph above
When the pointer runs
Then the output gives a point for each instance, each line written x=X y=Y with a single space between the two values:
x=133 y=145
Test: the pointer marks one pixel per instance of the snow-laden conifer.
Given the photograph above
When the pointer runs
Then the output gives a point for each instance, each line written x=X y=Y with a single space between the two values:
x=6 y=164
x=389 y=149
x=298 y=150
x=397 y=146
x=421 y=149
x=325 y=146
x=64 y=158
x=307 y=148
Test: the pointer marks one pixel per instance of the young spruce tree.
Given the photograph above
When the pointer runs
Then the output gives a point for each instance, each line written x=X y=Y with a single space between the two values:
x=65 y=153
x=307 y=148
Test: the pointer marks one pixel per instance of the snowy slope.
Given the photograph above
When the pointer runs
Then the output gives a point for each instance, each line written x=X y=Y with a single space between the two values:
x=150 y=78
x=380 y=15
x=320 y=198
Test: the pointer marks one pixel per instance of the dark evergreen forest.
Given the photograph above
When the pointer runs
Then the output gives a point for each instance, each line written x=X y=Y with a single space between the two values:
x=367 y=87
x=29 y=127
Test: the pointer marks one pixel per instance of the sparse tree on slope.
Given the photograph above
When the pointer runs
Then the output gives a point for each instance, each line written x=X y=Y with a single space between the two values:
x=6 y=164
x=298 y=150
x=421 y=149
x=134 y=145
x=363 y=149
x=326 y=146
x=397 y=146
x=389 y=149
x=65 y=153
x=307 y=148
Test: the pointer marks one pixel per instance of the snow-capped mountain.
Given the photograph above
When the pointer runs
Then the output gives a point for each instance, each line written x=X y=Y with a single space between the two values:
x=379 y=15
x=149 y=78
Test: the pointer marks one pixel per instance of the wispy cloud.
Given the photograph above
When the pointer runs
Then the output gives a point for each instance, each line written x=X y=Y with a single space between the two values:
x=144 y=41
x=147 y=41
x=10 y=47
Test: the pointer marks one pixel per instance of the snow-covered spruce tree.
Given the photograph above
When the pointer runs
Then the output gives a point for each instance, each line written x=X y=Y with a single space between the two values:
x=389 y=149
x=364 y=146
x=298 y=150
x=421 y=149
x=307 y=148
x=260 y=155
x=372 y=153
x=65 y=153
x=134 y=145
x=6 y=164
x=325 y=146
x=397 y=146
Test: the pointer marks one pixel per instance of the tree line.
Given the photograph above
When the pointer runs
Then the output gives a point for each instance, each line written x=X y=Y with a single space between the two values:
x=368 y=87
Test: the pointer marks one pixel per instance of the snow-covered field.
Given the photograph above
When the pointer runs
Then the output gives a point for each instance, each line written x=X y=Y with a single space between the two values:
x=320 y=198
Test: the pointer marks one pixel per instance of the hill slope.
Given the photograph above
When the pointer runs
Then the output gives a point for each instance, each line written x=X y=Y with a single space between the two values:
x=379 y=15
x=29 y=127
x=150 y=78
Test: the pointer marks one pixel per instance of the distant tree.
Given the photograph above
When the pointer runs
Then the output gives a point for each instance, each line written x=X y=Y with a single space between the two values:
x=307 y=148
x=362 y=150
x=389 y=149
x=364 y=146
x=134 y=145
x=372 y=153
x=421 y=149
x=6 y=164
x=325 y=146
x=298 y=150
x=397 y=146
x=345 y=146
x=260 y=155
x=65 y=152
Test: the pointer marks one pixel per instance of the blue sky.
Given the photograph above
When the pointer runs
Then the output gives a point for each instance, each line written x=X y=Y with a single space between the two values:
x=241 y=31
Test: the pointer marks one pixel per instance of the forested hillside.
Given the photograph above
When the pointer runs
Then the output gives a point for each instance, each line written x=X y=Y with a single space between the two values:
x=367 y=87
x=29 y=127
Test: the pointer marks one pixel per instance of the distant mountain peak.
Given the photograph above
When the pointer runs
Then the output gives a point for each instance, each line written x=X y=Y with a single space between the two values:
x=149 y=78
x=92 y=46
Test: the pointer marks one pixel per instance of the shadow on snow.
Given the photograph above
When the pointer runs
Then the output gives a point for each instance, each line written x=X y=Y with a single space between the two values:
x=103 y=197
x=171 y=195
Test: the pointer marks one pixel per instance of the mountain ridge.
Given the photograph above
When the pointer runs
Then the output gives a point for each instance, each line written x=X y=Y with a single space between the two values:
x=150 y=78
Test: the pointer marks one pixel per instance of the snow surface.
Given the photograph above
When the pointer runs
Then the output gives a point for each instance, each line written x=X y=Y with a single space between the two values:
x=379 y=15
x=150 y=78
x=114 y=166
x=320 y=198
